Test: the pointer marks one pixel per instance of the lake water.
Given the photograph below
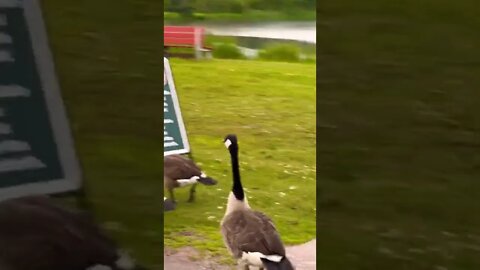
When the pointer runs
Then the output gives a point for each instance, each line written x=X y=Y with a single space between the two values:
x=297 y=31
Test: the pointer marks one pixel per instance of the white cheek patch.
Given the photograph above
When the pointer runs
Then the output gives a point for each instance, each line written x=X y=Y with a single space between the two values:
x=228 y=143
x=203 y=175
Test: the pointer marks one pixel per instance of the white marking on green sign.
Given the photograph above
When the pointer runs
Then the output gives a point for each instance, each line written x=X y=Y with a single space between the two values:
x=36 y=161
x=170 y=144
x=19 y=164
x=13 y=91
x=9 y=146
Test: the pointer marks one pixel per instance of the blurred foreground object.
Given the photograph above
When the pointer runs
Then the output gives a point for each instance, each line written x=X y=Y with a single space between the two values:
x=37 y=234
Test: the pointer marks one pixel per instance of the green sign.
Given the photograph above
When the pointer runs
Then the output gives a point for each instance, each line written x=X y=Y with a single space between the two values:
x=175 y=139
x=36 y=148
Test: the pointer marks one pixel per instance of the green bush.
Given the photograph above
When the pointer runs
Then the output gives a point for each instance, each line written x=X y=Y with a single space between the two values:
x=227 y=51
x=211 y=40
x=171 y=16
x=237 y=6
x=281 y=52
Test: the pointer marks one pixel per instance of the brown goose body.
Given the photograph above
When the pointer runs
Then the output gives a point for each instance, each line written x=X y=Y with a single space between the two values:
x=179 y=171
x=36 y=234
x=250 y=236
x=251 y=231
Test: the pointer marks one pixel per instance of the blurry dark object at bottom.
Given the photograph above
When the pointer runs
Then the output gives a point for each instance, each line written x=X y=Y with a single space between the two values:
x=38 y=234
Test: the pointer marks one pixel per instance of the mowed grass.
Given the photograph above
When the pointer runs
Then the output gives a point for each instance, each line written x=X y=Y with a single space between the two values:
x=399 y=135
x=109 y=64
x=271 y=107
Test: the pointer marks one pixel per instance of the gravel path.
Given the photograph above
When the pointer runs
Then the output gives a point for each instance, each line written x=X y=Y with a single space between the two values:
x=302 y=256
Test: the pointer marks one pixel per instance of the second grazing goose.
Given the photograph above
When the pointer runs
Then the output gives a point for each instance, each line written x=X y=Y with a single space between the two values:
x=250 y=236
x=179 y=171
x=36 y=234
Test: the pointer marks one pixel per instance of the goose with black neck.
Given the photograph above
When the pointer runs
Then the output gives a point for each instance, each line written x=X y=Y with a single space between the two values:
x=249 y=235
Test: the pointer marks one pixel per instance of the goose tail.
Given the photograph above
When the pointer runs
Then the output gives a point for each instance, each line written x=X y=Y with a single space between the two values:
x=208 y=181
x=284 y=264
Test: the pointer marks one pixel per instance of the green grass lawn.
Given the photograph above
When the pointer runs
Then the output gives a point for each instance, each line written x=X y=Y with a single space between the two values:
x=399 y=135
x=271 y=107
x=109 y=63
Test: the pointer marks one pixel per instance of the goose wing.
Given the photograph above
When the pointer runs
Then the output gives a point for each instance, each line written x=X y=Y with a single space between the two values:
x=178 y=167
x=251 y=231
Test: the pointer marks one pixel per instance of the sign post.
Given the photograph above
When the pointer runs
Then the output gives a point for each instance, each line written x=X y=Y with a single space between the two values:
x=175 y=139
x=37 y=153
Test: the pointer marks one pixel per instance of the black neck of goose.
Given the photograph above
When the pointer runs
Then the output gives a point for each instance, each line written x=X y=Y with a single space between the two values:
x=237 y=188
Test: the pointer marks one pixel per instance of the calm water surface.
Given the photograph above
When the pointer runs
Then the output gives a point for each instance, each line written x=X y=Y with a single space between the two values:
x=297 y=31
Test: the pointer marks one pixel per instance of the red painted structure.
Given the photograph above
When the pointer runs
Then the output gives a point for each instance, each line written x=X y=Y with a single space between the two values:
x=186 y=37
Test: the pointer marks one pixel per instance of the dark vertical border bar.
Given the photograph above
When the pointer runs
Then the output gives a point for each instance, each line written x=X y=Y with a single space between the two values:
x=162 y=189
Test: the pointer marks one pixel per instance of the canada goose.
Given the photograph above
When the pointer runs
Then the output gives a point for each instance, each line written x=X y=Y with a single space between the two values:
x=179 y=172
x=36 y=234
x=168 y=205
x=250 y=236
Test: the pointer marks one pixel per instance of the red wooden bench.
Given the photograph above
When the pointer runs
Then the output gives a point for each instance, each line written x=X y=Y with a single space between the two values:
x=186 y=37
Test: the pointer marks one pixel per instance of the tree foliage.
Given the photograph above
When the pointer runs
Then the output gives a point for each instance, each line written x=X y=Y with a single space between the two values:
x=236 y=6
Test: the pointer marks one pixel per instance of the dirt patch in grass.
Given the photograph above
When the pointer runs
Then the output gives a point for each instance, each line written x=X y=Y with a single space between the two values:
x=302 y=256
x=188 y=258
